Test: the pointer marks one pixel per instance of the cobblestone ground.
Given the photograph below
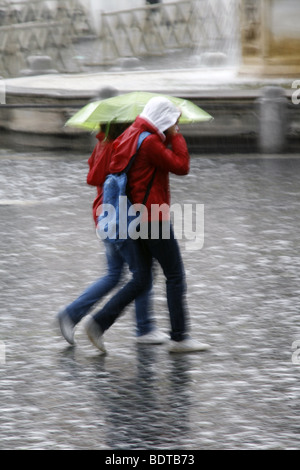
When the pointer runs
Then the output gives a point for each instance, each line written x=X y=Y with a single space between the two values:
x=243 y=296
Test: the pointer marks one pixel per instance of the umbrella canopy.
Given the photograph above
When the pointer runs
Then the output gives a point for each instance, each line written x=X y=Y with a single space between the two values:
x=126 y=107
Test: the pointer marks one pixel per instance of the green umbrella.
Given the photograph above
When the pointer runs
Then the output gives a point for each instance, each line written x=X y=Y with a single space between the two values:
x=126 y=107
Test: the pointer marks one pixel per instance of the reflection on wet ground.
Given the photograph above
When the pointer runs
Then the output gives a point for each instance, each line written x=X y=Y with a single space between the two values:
x=243 y=295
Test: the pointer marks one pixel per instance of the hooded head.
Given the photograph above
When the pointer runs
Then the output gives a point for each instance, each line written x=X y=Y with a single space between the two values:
x=160 y=112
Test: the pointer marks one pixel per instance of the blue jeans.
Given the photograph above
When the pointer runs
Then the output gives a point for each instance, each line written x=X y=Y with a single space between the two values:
x=136 y=289
x=166 y=251
x=117 y=256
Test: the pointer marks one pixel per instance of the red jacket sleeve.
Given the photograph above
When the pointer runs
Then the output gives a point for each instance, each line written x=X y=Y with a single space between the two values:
x=175 y=160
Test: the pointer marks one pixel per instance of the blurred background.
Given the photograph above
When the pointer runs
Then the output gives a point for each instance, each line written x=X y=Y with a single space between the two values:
x=236 y=55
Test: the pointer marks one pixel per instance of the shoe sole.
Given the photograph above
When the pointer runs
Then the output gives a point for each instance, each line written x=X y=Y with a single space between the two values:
x=162 y=341
x=187 y=350
x=151 y=339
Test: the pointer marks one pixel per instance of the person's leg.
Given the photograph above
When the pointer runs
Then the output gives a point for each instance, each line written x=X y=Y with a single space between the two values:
x=82 y=305
x=140 y=268
x=146 y=330
x=74 y=312
x=143 y=312
x=167 y=253
x=143 y=302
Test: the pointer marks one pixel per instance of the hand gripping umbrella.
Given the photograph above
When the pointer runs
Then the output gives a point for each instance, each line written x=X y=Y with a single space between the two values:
x=126 y=107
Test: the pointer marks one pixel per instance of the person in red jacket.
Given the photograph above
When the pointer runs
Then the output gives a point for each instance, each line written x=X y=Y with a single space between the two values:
x=155 y=160
x=117 y=257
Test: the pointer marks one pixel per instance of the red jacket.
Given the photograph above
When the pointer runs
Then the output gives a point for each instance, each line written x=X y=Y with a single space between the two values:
x=99 y=163
x=153 y=154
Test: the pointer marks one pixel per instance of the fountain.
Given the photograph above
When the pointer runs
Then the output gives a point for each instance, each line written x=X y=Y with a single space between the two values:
x=219 y=53
x=270 y=37
x=218 y=43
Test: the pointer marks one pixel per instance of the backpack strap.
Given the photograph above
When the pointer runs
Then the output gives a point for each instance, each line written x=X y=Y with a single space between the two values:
x=141 y=139
x=142 y=136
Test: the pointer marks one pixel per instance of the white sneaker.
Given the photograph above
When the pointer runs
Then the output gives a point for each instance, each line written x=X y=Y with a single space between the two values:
x=66 y=326
x=153 y=337
x=95 y=334
x=187 y=345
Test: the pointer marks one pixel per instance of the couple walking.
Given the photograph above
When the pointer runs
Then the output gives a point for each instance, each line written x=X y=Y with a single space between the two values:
x=154 y=161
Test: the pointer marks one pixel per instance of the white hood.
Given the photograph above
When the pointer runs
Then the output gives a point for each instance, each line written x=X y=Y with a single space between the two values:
x=160 y=112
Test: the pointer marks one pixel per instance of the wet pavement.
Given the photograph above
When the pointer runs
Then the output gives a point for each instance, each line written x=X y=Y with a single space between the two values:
x=243 y=296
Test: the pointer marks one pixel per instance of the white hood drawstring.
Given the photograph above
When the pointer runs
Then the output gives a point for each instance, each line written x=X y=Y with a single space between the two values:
x=161 y=113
